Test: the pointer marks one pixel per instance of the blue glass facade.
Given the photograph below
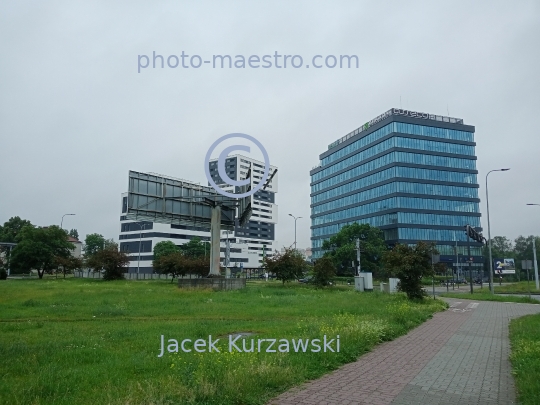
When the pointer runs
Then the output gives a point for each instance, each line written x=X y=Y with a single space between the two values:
x=412 y=175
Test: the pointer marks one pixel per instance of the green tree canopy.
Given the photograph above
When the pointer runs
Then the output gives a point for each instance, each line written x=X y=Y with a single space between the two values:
x=341 y=248
x=95 y=242
x=324 y=272
x=39 y=248
x=11 y=229
x=410 y=264
x=287 y=266
x=111 y=260
x=195 y=248
x=164 y=248
x=74 y=234
x=178 y=264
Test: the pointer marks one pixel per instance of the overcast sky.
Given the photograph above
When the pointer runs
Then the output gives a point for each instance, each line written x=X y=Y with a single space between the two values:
x=75 y=114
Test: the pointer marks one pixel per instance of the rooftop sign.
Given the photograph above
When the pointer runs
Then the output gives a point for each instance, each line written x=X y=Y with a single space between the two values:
x=396 y=111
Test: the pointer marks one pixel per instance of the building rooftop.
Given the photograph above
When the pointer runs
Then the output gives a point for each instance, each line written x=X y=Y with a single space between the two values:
x=400 y=112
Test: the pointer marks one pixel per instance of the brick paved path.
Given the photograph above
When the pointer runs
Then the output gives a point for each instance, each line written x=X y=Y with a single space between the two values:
x=460 y=356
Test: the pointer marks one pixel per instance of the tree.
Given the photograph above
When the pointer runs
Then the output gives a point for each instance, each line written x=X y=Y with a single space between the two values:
x=286 y=266
x=178 y=264
x=502 y=246
x=74 y=234
x=38 y=248
x=111 y=260
x=163 y=249
x=324 y=272
x=94 y=243
x=195 y=248
x=9 y=232
x=12 y=228
x=410 y=264
x=66 y=265
x=341 y=247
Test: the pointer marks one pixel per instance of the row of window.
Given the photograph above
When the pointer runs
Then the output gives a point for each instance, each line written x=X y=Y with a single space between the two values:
x=396 y=187
x=144 y=235
x=396 y=202
x=396 y=142
x=398 y=157
x=392 y=172
x=402 y=218
x=136 y=226
x=401 y=128
x=429 y=234
x=448 y=250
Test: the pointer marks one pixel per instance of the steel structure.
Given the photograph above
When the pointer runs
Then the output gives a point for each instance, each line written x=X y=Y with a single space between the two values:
x=157 y=198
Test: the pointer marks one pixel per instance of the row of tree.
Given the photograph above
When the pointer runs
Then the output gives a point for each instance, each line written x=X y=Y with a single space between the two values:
x=519 y=249
x=49 y=251
x=178 y=261
x=408 y=263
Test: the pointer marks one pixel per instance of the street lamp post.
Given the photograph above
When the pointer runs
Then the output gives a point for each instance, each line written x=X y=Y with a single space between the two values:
x=534 y=258
x=295 y=218
x=62 y=221
x=491 y=286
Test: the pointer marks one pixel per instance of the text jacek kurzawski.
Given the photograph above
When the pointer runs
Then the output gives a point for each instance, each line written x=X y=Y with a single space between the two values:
x=236 y=344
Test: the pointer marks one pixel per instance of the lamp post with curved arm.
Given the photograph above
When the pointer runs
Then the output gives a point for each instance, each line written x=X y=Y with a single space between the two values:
x=62 y=221
x=491 y=286
x=295 y=219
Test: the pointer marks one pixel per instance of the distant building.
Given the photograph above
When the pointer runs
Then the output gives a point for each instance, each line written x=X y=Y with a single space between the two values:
x=77 y=252
x=411 y=174
x=247 y=245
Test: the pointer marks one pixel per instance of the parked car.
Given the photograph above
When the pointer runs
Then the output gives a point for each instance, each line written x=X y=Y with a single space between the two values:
x=305 y=280
x=461 y=281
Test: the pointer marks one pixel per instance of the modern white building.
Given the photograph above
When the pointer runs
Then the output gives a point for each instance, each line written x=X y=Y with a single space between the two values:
x=247 y=245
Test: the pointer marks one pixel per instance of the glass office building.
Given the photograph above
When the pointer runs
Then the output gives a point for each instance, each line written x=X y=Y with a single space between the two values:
x=411 y=174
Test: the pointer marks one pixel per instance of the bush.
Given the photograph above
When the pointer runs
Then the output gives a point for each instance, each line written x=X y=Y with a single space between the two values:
x=410 y=265
x=111 y=260
x=3 y=274
x=324 y=272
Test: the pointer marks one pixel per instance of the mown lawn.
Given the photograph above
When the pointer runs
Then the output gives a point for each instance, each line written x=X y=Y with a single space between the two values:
x=81 y=341
x=525 y=357
x=487 y=296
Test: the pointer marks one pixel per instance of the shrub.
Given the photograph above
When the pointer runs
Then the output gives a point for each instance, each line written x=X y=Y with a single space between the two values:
x=324 y=272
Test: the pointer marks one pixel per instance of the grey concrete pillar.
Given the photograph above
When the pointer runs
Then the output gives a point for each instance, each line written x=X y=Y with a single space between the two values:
x=215 y=234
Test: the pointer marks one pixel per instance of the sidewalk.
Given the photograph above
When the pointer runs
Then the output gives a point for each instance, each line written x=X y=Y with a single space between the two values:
x=460 y=356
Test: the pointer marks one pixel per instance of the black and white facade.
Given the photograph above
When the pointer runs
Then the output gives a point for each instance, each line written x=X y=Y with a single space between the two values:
x=259 y=233
x=246 y=245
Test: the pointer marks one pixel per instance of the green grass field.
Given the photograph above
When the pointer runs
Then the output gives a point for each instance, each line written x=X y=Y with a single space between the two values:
x=487 y=296
x=517 y=288
x=79 y=341
x=525 y=357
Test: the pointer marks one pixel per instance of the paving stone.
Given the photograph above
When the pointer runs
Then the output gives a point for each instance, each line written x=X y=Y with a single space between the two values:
x=460 y=356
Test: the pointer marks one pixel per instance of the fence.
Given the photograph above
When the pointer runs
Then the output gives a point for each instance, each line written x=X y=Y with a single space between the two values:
x=127 y=276
x=247 y=273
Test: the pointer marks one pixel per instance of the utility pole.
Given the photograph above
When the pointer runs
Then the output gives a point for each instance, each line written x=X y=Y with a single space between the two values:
x=469 y=258
x=295 y=219
x=535 y=264
x=534 y=257
x=358 y=256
